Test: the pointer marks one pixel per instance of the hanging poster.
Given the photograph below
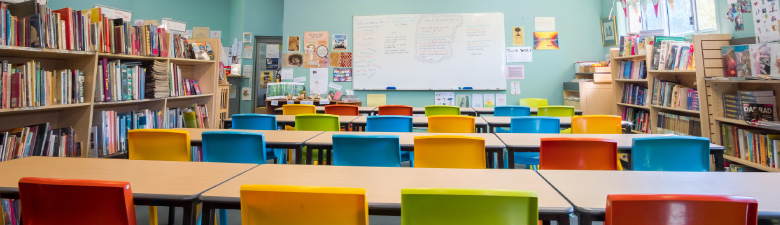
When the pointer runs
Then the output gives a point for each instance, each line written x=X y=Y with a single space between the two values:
x=545 y=23
x=340 y=59
x=342 y=74
x=247 y=37
x=765 y=18
x=500 y=99
x=315 y=45
x=518 y=36
x=339 y=42
x=546 y=40
x=290 y=60
x=266 y=76
x=490 y=100
x=476 y=101
x=515 y=88
x=272 y=51
x=215 y=34
x=293 y=43
x=286 y=74
x=246 y=93
x=463 y=101
x=248 y=51
x=318 y=81
x=444 y=98
x=271 y=63
x=519 y=54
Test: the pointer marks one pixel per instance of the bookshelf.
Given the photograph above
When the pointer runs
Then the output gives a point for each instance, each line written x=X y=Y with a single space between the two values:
x=619 y=83
x=82 y=116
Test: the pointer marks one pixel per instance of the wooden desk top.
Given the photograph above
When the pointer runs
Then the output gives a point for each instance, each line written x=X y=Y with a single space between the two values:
x=624 y=141
x=321 y=109
x=506 y=121
x=383 y=185
x=418 y=121
x=291 y=119
x=163 y=179
x=490 y=110
x=588 y=190
x=280 y=137
x=406 y=139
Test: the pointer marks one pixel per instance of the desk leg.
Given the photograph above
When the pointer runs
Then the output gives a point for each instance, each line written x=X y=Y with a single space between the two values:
x=328 y=156
x=510 y=160
x=320 y=158
x=298 y=154
x=490 y=162
x=190 y=213
x=309 y=155
x=564 y=219
x=208 y=214
x=500 y=158
x=719 y=164
x=585 y=219
x=171 y=214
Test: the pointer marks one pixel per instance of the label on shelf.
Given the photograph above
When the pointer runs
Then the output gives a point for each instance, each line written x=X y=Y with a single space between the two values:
x=62 y=51
x=5 y=47
x=274 y=103
x=290 y=102
x=324 y=102
x=29 y=108
x=307 y=102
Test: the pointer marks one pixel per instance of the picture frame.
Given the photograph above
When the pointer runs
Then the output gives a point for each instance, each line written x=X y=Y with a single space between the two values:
x=609 y=32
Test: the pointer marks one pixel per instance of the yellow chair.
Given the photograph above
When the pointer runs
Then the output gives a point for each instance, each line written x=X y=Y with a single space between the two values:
x=596 y=124
x=282 y=205
x=158 y=144
x=451 y=124
x=533 y=102
x=296 y=109
x=449 y=151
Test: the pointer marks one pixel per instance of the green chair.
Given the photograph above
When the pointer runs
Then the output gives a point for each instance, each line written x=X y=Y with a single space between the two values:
x=468 y=206
x=316 y=122
x=555 y=111
x=533 y=102
x=442 y=110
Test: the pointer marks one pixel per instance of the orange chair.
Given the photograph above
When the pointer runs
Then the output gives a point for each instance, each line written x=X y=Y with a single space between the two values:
x=451 y=124
x=342 y=110
x=292 y=205
x=449 y=151
x=669 y=209
x=596 y=124
x=296 y=109
x=64 y=202
x=395 y=110
x=578 y=154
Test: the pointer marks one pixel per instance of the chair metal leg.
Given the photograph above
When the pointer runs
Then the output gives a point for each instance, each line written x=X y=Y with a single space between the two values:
x=171 y=215
x=223 y=217
x=153 y=220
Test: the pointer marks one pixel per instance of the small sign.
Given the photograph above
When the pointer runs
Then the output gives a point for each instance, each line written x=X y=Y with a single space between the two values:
x=274 y=103
x=290 y=102
x=307 y=102
x=324 y=102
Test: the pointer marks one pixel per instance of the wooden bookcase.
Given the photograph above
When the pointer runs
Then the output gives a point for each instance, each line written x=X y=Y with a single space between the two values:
x=618 y=83
x=83 y=116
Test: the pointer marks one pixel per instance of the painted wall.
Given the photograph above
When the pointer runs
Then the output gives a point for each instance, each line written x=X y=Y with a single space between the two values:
x=577 y=22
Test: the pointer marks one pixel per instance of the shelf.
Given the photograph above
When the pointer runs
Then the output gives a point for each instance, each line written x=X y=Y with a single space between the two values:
x=744 y=123
x=41 y=108
x=631 y=57
x=750 y=164
x=116 y=103
x=130 y=57
x=27 y=52
x=179 y=61
x=637 y=132
x=746 y=81
x=634 y=106
x=118 y=155
x=189 y=97
x=681 y=72
x=676 y=109
x=631 y=80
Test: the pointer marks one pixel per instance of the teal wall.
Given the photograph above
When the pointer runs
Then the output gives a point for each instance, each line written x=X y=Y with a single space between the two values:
x=262 y=18
x=577 y=22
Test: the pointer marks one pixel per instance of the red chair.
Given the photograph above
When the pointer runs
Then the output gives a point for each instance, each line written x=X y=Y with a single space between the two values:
x=578 y=154
x=64 y=202
x=395 y=110
x=342 y=110
x=680 y=209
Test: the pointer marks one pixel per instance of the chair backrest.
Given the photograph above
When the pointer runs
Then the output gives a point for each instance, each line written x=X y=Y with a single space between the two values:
x=389 y=124
x=449 y=151
x=468 y=206
x=511 y=110
x=395 y=110
x=233 y=147
x=317 y=122
x=533 y=102
x=159 y=144
x=451 y=124
x=293 y=205
x=254 y=122
x=295 y=109
x=670 y=209
x=439 y=110
x=596 y=124
x=535 y=124
x=342 y=110
x=555 y=111
x=578 y=154
x=671 y=153
x=74 y=202
x=366 y=150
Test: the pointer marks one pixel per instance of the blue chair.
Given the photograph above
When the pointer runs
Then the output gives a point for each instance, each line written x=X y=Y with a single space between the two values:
x=671 y=153
x=510 y=110
x=533 y=124
x=233 y=147
x=366 y=150
x=389 y=124
x=260 y=122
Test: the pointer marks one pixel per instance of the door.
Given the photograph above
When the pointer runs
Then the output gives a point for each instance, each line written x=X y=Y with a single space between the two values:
x=267 y=67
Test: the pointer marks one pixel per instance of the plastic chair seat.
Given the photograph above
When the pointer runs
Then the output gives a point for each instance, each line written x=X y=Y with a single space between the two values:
x=670 y=209
x=293 y=205
x=671 y=153
x=442 y=110
x=468 y=207
x=366 y=150
x=449 y=151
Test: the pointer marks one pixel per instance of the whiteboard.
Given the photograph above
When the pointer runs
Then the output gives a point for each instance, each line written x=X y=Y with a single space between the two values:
x=429 y=51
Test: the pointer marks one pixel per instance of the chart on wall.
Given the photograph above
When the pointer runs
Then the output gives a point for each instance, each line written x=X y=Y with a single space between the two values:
x=429 y=51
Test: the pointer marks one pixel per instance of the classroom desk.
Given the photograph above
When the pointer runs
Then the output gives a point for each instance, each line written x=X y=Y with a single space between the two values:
x=158 y=183
x=531 y=142
x=321 y=110
x=422 y=121
x=493 y=145
x=421 y=110
x=289 y=120
x=383 y=185
x=285 y=139
x=588 y=190
x=490 y=110
x=506 y=121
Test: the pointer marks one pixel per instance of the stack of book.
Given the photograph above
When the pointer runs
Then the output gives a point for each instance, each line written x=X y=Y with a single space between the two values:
x=640 y=118
x=751 y=145
x=157 y=82
x=180 y=47
x=633 y=70
x=120 y=81
x=38 y=140
x=676 y=124
x=634 y=94
x=670 y=94
x=757 y=60
x=10 y=211
x=111 y=136
x=181 y=86
x=29 y=85
x=672 y=53
x=750 y=106
x=632 y=44
x=188 y=117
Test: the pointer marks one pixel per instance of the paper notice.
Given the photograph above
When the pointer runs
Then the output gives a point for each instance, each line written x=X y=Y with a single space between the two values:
x=248 y=51
x=490 y=100
x=518 y=36
x=299 y=79
x=515 y=88
x=476 y=101
x=500 y=99
x=545 y=23
x=335 y=86
x=324 y=102
x=376 y=100
x=287 y=73
x=318 y=81
x=444 y=98
x=272 y=51
x=515 y=72
x=519 y=54
x=247 y=71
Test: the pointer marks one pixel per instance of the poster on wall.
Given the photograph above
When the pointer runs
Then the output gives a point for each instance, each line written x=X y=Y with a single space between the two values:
x=518 y=36
x=444 y=98
x=608 y=31
x=463 y=101
x=215 y=34
x=765 y=15
x=318 y=81
x=339 y=42
x=476 y=101
x=247 y=37
x=291 y=60
x=293 y=43
x=315 y=45
x=342 y=74
x=546 y=40
x=340 y=59
x=489 y=100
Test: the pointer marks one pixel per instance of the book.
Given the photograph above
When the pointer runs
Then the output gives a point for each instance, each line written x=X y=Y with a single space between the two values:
x=670 y=123
x=639 y=117
x=37 y=140
x=729 y=58
x=750 y=144
x=755 y=112
x=742 y=53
